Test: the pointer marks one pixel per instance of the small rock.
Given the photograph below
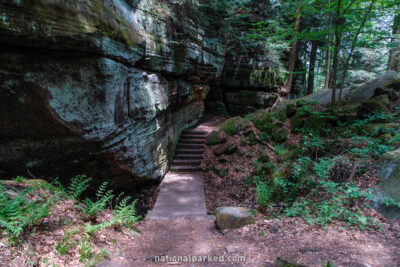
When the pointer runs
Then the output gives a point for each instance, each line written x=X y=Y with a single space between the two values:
x=231 y=249
x=233 y=217
x=398 y=235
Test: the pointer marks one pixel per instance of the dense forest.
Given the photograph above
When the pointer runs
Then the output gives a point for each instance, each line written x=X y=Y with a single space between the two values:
x=200 y=133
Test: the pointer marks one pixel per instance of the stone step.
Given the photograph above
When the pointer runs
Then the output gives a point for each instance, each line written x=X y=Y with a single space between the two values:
x=189 y=156
x=189 y=146
x=194 y=132
x=185 y=168
x=188 y=151
x=191 y=141
x=192 y=137
x=186 y=162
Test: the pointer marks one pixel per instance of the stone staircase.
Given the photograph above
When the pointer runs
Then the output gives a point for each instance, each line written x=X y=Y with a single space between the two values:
x=189 y=151
x=181 y=193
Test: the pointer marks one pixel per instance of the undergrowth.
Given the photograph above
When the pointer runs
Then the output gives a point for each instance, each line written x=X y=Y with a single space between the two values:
x=321 y=178
x=24 y=205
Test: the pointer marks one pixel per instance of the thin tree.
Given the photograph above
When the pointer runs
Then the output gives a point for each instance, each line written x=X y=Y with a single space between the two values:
x=338 y=35
x=293 y=51
x=353 y=45
x=311 y=69
x=394 y=54
x=328 y=49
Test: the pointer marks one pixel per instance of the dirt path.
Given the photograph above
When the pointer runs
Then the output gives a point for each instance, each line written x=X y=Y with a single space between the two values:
x=260 y=244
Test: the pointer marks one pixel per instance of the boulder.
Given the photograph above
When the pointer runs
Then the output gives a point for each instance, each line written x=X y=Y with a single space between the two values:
x=214 y=138
x=376 y=104
x=233 y=217
x=389 y=173
x=365 y=92
x=391 y=93
x=379 y=128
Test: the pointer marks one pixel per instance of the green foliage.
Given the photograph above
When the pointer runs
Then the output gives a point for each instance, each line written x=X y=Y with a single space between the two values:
x=104 y=197
x=77 y=186
x=233 y=125
x=19 y=211
x=263 y=192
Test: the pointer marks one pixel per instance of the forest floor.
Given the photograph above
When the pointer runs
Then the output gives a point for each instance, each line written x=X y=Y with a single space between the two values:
x=260 y=244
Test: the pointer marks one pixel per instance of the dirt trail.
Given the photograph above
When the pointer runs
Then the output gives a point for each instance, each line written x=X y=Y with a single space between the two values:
x=260 y=244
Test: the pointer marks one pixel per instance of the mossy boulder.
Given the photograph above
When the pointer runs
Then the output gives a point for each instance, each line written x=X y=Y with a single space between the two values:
x=376 y=104
x=233 y=125
x=280 y=135
x=297 y=121
x=389 y=172
x=214 y=138
x=376 y=129
x=391 y=93
x=233 y=217
x=385 y=138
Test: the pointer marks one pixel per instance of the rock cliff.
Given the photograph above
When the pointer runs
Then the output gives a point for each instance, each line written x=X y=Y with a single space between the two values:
x=102 y=87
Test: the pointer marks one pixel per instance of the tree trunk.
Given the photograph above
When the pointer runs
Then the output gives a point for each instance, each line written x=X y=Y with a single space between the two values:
x=328 y=51
x=338 y=36
x=293 y=51
x=353 y=45
x=311 y=70
x=394 y=54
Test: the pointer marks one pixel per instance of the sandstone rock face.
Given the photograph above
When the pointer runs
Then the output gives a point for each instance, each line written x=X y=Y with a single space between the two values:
x=233 y=217
x=247 y=84
x=102 y=87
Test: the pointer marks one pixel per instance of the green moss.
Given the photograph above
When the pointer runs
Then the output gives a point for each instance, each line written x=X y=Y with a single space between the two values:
x=215 y=138
x=233 y=125
x=297 y=121
x=377 y=104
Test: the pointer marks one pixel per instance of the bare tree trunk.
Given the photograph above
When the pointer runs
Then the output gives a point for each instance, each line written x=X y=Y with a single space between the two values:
x=293 y=51
x=338 y=36
x=353 y=45
x=394 y=54
x=311 y=70
x=328 y=51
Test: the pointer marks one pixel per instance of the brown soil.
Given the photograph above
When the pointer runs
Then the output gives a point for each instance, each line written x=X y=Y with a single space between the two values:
x=261 y=244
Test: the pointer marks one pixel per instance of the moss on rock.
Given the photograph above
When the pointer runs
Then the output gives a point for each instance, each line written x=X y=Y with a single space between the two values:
x=233 y=125
x=215 y=138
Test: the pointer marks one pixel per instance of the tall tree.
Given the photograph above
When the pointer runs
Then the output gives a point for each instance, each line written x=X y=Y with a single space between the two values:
x=311 y=69
x=394 y=54
x=328 y=49
x=338 y=36
x=293 y=50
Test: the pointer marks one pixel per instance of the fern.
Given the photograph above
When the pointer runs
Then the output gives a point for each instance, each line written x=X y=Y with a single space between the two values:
x=125 y=213
x=17 y=212
x=77 y=186
x=93 y=208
